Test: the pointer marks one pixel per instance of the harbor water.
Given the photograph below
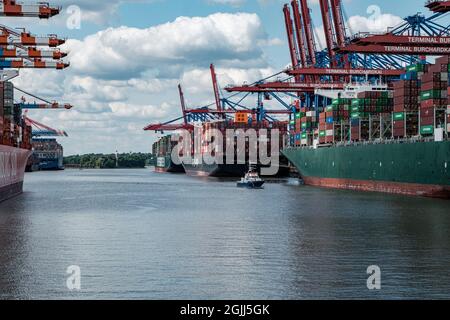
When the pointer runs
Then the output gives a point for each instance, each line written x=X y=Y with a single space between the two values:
x=136 y=234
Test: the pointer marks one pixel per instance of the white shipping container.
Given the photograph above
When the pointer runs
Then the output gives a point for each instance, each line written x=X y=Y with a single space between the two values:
x=444 y=76
x=310 y=113
x=330 y=133
x=304 y=142
x=438 y=134
x=448 y=127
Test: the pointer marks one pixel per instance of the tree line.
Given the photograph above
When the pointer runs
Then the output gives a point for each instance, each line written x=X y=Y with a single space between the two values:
x=109 y=161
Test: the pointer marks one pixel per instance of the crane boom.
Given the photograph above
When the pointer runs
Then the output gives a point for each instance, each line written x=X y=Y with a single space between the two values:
x=291 y=39
x=346 y=72
x=27 y=39
x=18 y=52
x=326 y=18
x=396 y=49
x=390 y=39
x=22 y=63
x=285 y=87
x=183 y=103
x=215 y=87
x=10 y=8
x=307 y=26
x=43 y=129
x=339 y=27
x=53 y=105
x=299 y=32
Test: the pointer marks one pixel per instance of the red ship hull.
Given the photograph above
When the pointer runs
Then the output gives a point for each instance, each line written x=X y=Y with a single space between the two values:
x=409 y=189
x=12 y=170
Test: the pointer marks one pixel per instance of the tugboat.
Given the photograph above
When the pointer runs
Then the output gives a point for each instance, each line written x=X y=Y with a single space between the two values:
x=251 y=180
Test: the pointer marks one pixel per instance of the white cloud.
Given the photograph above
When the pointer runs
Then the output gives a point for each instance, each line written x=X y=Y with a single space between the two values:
x=379 y=23
x=126 y=52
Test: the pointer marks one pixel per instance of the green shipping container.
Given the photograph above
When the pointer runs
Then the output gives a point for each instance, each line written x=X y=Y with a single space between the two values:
x=415 y=67
x=399 y=116
x=426 y=130
x=355 y=115
x=322 y=134
x=430 y=94
x=304 y=135
x=298 y=115
x=292 y=122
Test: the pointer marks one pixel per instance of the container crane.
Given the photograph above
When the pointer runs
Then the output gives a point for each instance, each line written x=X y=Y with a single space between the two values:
x=45 y=104
x=324 y=70
x=22 y=63
x=10 y=36
x=42 y=10
x=40 y=130
x=18 y=51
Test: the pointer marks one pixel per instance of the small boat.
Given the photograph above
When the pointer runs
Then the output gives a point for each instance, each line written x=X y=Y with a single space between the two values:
x=251 y=180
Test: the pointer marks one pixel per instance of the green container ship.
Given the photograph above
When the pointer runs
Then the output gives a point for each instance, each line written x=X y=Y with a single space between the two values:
x=162 y=149
x=394 y=139
x=409 y=168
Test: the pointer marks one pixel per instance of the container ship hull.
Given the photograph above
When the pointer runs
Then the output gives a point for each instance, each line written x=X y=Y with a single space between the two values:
x=165 y=164
x=12 y=169
x=215 y=170
x=226 y=170
x=416 y=169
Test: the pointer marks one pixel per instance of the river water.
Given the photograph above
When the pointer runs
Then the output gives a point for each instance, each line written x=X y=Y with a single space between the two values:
x=136 y=234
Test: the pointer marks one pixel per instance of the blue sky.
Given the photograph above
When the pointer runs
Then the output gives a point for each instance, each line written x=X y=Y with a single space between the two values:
x=128 y=57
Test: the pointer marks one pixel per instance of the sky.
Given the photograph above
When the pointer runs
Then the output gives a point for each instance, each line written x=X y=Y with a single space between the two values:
x=128 y=56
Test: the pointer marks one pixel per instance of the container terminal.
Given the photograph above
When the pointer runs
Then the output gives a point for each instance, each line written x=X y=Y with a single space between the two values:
x=370 y=112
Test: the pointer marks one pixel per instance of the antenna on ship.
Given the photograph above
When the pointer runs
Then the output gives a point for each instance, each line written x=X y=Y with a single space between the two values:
x=117 y=159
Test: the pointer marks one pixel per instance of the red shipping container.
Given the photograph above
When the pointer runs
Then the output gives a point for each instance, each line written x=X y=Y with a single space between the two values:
x=443 y=60
x=426 y=112
x=433 y=103
x=434 y=85
x=427 y=121
x=398 y=133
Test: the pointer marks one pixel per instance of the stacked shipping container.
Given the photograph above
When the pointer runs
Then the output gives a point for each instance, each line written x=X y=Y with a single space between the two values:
x=13 y=130
x=434 y=97
x=368 y=103
x=418 y=104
